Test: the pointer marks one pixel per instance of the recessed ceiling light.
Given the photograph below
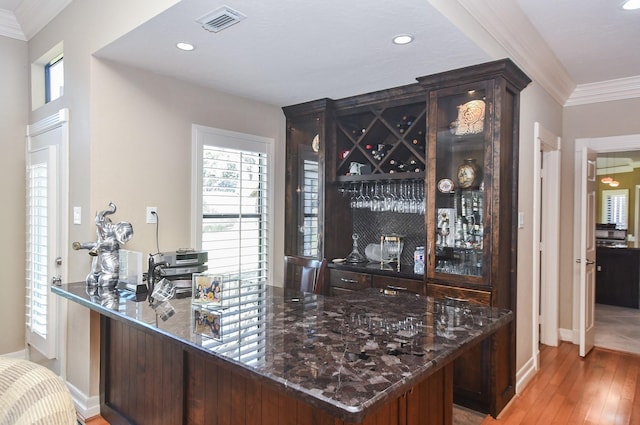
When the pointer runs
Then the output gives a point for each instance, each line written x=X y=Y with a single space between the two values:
x=631 y=5
x=185 y=46
x=402 y=39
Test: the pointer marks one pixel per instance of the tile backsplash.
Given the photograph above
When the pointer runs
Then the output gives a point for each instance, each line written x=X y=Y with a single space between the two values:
x=370 y=226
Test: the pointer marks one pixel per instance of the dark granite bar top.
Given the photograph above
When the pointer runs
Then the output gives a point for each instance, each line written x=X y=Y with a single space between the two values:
x=345 y=354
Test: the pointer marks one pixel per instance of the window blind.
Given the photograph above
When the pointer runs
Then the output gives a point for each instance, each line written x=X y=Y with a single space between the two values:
x=616 y=207
x=310 y=208
x=235 y=214
x=37 y=243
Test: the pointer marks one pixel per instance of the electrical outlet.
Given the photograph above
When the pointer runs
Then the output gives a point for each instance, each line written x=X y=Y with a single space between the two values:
x=152 y=215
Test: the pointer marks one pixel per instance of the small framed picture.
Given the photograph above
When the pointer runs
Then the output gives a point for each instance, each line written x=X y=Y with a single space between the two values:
x=207 y=289
x=207 y=323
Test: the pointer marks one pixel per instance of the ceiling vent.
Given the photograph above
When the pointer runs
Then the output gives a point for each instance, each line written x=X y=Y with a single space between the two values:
x=220 y=19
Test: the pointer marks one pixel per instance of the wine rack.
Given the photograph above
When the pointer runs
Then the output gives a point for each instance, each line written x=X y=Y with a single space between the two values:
x=384 y=142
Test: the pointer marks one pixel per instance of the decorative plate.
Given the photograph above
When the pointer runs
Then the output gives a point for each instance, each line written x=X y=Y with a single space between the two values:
x=470 y=118
x=315 y=144
x=445 y=185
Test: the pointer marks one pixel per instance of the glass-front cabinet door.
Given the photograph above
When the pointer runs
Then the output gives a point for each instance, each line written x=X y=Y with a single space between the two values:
x=459 y=179
x=305 y=180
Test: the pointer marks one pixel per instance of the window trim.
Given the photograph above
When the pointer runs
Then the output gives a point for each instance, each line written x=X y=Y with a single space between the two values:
x=203 y=135
x=38 y=77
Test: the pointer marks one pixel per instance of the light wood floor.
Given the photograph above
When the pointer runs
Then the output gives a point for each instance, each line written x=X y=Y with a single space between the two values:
x=97 y=420
x=603 y=389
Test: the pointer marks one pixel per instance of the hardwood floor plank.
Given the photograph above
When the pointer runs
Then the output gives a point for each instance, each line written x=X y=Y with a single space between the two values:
x=565 y=412
x=602 y=389
x=635 y=410
x=552 y=408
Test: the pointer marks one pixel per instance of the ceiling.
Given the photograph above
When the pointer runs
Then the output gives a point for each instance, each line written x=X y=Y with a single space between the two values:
x=594 y=39
x=290 y=51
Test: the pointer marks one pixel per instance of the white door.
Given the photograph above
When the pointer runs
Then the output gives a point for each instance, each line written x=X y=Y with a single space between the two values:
x=587 y=252
x=46 y=237
x=546 y=230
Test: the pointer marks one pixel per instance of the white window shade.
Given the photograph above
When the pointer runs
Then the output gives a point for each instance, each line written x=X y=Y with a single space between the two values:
x=615 y=207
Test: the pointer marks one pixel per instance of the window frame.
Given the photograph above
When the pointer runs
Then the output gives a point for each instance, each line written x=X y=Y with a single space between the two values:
x=47 y=77
x=201 y=136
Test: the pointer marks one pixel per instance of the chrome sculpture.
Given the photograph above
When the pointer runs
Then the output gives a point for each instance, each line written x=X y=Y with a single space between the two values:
x=105 y=266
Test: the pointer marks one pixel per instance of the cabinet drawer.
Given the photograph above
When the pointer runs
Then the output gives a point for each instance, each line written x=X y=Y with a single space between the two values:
x=353 y=281
x=410 y=285
x=474 y=296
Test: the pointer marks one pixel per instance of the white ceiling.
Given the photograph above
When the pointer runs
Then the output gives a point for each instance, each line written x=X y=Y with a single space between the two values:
x=594 y=39
x=291 y=51
x=10 y=5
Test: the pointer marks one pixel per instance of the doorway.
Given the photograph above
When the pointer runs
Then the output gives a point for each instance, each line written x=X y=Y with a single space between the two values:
x=611 y=323
x=546 y=222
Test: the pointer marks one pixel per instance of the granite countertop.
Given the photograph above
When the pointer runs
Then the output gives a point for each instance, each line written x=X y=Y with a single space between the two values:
x=345 y=354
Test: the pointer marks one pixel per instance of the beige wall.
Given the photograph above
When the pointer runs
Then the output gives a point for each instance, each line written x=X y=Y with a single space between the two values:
x=13 y=123
x=141 y=148
x=604 y=119
x=130 y=143
x=535 y=106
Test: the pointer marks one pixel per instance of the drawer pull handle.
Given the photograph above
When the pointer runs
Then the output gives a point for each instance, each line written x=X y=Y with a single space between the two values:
x=396 y=288
x=455 y=299
x=348 y=280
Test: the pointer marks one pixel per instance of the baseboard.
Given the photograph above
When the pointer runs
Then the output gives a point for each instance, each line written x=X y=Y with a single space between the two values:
x=86 y=407
x=526 y=373
x=568 y=335
x=22 y=354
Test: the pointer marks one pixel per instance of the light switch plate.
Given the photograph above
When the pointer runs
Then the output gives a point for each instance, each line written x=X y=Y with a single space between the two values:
x=77 y=215
x=520 y=220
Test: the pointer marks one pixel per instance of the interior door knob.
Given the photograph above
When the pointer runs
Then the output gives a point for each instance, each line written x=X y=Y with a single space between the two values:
x=587 y=261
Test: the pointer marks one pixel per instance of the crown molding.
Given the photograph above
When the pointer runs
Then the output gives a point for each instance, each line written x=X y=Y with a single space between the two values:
x=511 y=28
x=33 y=15
x=604 y=91
x=9 y=26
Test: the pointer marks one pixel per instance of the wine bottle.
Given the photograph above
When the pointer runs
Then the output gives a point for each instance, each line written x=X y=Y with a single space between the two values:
x=418 y=140
x=405 y=122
